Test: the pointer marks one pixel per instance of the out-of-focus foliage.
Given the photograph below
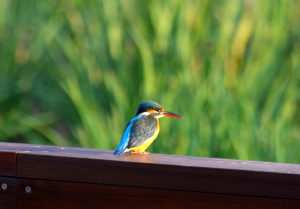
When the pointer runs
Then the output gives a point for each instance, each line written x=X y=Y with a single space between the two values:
x=72 y=73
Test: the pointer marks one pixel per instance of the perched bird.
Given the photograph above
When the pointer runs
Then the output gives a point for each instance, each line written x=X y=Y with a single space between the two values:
x=141 y=130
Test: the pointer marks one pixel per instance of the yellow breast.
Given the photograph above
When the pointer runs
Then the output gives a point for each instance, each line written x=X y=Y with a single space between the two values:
x=148 y=142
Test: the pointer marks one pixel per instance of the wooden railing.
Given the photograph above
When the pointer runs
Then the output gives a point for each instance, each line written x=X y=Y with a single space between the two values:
x=36 y=176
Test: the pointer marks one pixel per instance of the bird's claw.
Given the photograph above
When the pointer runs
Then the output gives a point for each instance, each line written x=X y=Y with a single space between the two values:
x=142 y=153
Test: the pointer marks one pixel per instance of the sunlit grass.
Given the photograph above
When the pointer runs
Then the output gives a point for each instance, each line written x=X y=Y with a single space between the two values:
x=72 y=73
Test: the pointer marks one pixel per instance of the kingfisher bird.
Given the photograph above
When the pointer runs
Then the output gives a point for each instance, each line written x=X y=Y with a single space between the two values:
x=141 y=130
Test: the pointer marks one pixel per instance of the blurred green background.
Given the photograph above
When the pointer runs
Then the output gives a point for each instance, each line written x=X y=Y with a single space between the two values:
x=73 y=73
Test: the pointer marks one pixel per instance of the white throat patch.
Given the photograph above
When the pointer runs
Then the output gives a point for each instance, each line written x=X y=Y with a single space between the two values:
x=145 y=113
x=159 y=116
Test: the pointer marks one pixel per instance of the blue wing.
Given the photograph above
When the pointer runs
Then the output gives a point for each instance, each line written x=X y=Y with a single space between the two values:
x=137 y=131
x=141 y=131
x=125 y=138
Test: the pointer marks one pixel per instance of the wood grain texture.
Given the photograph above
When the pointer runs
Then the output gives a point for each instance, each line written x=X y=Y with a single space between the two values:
x=196 y=174
x=95 y=169
x=186 y=161
x=7 y=163
x=50 y=194
x=8 y=196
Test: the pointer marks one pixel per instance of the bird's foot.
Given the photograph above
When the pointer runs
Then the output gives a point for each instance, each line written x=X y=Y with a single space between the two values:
x=142 y=153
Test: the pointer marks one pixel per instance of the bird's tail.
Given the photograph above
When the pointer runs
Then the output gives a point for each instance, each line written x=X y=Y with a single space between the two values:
x=120 y=150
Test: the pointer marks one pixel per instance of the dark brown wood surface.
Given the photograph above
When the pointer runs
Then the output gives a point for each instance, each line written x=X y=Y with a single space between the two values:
x=8 y=195
x=206 y=178
x=95 y=169
x=51 y=194
x=154 y=171
x=7 y=163
x=184 y=161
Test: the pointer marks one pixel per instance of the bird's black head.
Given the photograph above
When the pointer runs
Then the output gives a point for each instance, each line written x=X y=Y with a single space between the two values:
x=149 y=106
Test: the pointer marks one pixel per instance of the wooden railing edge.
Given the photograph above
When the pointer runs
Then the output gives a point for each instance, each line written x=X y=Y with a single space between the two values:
x=155 y=171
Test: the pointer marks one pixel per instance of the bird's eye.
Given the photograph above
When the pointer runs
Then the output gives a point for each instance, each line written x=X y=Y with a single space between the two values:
x=157 y=109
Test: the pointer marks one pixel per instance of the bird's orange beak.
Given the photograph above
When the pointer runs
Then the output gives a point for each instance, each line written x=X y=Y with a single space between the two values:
x=170 y=114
